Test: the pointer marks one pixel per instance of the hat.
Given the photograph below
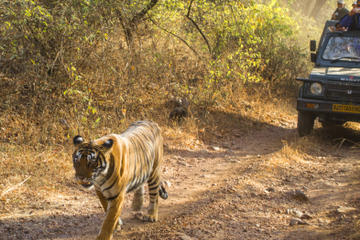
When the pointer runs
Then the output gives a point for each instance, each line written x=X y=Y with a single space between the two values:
x=341 y=1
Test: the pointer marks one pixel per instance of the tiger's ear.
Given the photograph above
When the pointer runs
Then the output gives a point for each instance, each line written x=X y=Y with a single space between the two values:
x=78 y=140
x=108 y=144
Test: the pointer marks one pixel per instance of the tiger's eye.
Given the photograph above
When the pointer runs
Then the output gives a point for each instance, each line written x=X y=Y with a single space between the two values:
x=93 y=163
x=76 y=157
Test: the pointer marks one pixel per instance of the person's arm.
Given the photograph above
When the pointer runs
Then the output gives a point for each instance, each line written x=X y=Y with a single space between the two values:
x=333 y=16
x=354 y=11
x=346 y=21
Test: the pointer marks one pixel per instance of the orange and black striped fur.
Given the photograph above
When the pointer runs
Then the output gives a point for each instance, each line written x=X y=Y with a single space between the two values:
x=120 y=163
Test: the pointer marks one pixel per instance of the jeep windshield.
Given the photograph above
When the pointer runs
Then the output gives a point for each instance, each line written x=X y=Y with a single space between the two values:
x=342 y=48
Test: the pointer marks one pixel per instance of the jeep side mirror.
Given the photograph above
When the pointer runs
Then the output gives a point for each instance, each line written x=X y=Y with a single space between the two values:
x=312 y=45
x=313 y=57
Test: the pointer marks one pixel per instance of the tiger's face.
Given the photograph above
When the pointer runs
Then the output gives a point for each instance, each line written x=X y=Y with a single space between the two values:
x=88 y=161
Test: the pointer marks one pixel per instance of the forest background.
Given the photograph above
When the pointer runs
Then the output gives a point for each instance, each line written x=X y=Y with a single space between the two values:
x=92 y=66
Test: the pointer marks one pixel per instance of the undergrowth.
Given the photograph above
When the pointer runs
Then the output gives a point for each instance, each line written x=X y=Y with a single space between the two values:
x=68 y=67
x=91 y=68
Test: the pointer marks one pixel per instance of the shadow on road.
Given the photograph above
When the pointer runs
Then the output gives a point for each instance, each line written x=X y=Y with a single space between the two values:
x=50 y=227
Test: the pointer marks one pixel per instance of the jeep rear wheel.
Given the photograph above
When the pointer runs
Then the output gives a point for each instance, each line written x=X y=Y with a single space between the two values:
x=305 y=123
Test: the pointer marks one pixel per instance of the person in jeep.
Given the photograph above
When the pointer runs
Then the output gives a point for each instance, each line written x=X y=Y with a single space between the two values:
x=340 y=11
x=351 y=21
x=354 y=5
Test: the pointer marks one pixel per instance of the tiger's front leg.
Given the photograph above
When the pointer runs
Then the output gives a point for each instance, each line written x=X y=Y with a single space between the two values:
x=112 y=215
x=104 y=204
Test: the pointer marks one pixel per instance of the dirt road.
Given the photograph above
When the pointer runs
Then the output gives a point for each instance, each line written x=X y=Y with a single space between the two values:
x=265 y=184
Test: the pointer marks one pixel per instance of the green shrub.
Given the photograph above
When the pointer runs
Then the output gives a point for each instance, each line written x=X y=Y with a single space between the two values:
x=239 y=42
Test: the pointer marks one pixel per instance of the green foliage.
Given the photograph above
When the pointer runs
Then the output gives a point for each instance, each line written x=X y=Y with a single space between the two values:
x=248 y=42
x=95 y=63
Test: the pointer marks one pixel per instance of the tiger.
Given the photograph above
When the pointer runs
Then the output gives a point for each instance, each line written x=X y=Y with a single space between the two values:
x=120 y=163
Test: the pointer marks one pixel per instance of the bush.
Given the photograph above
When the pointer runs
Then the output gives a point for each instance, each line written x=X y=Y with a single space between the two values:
x=73 y=66
x=246 y=42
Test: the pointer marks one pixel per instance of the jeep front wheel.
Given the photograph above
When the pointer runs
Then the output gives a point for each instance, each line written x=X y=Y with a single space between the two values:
x=305 y=123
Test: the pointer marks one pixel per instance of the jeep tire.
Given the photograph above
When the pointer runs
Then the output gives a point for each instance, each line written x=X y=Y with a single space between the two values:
x=305 y=123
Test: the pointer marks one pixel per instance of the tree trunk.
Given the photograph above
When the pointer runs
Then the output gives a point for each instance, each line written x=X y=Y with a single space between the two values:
x=307 y=6
x=129 y=25
x=317 y=7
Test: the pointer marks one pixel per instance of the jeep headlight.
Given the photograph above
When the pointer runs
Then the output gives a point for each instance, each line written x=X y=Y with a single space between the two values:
x=316 y=89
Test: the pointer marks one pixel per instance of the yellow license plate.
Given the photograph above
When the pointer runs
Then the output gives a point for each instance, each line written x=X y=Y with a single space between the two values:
x=345 y=108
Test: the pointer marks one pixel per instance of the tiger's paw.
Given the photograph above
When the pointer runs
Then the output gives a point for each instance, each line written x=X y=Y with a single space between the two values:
x=145 y=217
x=99 y=237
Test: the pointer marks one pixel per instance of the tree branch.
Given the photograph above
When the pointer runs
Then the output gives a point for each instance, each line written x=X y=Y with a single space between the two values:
x=173 y=34
x=197 y=27
x=135 y=20
x=127 y=29
x=189 y=8
x=129 y=26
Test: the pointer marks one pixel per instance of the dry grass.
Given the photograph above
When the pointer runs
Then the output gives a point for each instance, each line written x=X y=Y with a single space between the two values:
x=48 y=171
x=31 y=175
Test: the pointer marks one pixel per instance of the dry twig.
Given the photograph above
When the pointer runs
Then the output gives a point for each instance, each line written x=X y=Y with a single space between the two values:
x=13 y=187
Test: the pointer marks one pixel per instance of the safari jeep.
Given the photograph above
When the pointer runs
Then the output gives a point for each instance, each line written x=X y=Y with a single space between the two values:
x=332 y=91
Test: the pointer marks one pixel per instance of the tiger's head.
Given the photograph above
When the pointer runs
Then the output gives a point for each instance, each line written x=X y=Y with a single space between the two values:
x=89 y=160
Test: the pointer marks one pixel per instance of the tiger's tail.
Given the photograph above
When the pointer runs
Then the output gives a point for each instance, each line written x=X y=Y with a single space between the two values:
x=162 y=191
